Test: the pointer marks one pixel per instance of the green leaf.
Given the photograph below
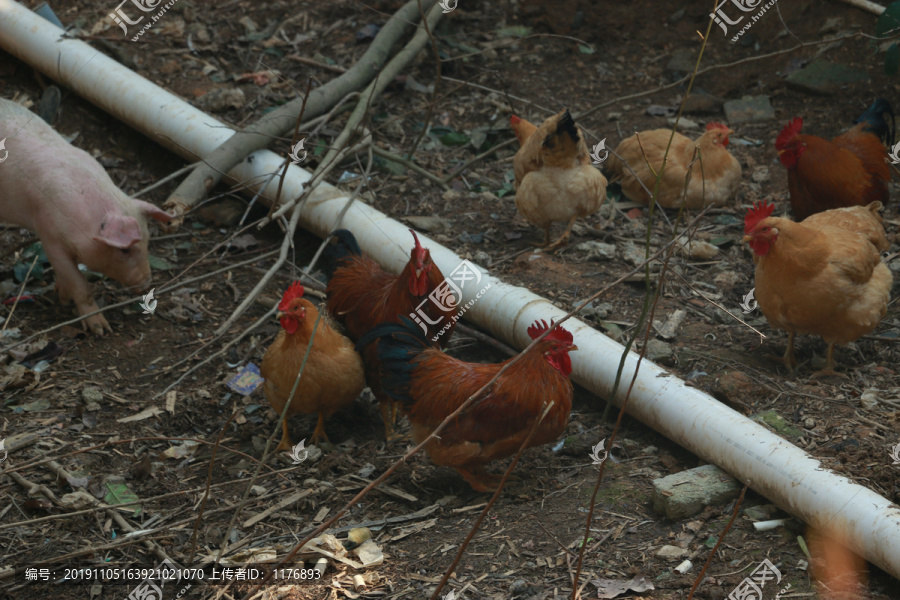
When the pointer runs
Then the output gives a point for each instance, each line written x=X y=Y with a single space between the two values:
x=119 y=493
x=711 y=541
x=454 y=139
x=388 y=165
x=892 y=60
x=160 y=264
x=506 y=189
x=514 y=31
x=889 y=20
x=585 y=49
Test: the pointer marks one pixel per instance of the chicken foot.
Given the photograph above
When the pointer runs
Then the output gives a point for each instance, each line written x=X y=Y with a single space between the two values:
x=788 y=360
x=564 y=238
x=829 y=366
x=480 y=479
x=389 y=416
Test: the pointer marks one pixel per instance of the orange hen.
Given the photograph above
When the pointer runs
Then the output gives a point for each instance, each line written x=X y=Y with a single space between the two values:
x=849 y=170
x=555 y=180
x=332 y=377
x=823 y=276
x=715 y=174
x=430 y=385
x=361 y=295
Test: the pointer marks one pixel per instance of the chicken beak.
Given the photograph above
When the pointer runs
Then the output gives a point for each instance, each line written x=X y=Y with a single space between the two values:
x=780 y=152
x=729 y=132
x=747 y=238
x=418 y=273
x=279 y=314
x=573 y=348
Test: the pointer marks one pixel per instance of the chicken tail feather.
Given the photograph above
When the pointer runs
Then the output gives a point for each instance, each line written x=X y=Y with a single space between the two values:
x=345 y=247
x=874 y=120
x=398 y=345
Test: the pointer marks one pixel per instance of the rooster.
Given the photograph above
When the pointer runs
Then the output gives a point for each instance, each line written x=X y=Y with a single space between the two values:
x=332 y=377
x=555 y=180
x=850 y=170
x=361 y=295
x=823 y=276
x=714 y=175
x=430 y=385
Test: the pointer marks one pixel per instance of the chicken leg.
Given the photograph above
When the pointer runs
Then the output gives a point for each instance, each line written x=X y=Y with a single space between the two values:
x=285 y=444
x=319 y=433
x=389 y=416
x=829 y=366
x=788 y=360
x=564 y=238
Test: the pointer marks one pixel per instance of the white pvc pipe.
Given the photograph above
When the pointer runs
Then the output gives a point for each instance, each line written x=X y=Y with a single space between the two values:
x=863 y=520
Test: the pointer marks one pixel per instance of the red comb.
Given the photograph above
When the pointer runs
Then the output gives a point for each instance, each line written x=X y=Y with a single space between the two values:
x=420 y=251
x=559 y=334
x=514 y=120
x=760 y=211
x=715 y=125
x=787 y=134
x=293 y=292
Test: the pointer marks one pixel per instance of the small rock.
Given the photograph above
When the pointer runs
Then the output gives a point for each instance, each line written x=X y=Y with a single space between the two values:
x=631 y=254
x=658 y=351
x=598 y=250
x=824 y=78
x=91 y=395
x=79 y=500
x=760 y=175
x=672 y=552
x=685 y=494
x=482 y=258
x=684 y=123
x=869 y=399
x=702 y=103
x=518 y=587
x=681 y=63
x=600 y=311
x=451 y=196
x=809 y=423
x=222 y=99
x=727 y=279
x=614 y=116
x=697 y=249
x=314 y=453
x=257 y=490
x=749 y=109
x=470 y=238
x=668 y=329
x=657 y=110
x=650 y=450
x=430 y=223
x=832 y=25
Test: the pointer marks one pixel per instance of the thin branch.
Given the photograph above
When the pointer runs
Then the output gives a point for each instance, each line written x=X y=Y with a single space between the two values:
x=712 y=553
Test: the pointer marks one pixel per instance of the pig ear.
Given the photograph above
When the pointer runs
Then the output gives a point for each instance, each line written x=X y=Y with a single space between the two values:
x=151 y=211
x=119 y=231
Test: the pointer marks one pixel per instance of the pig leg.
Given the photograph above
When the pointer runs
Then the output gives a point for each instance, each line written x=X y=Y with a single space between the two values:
x=72 y=285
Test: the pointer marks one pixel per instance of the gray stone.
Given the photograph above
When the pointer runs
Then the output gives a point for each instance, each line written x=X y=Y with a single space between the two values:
x=685 y=494
x=92 y=395
x=669 y=328
x=824 y=78
x=682 y=62
x=482 y=258
x=672 y=552
x=598 y=250
x=633 y=255
x=749 y=109
x=702 y=103
x=430 y=223
x=658 y=350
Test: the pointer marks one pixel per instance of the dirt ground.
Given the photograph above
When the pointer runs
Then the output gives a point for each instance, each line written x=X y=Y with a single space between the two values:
x=575 y=54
